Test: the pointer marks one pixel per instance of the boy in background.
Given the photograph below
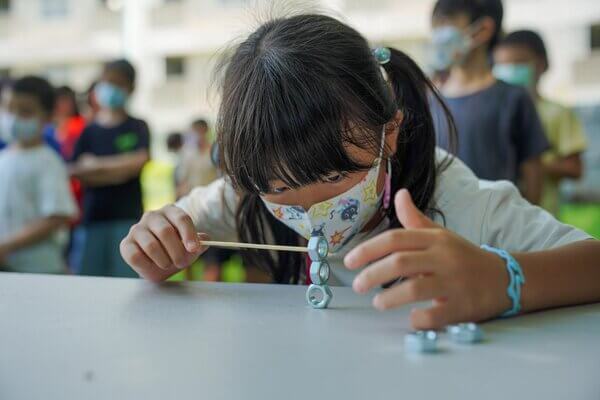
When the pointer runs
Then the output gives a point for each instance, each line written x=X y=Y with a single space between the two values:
x=521 y=59
x=35 y=201
x=108 y=159
x=499 y=132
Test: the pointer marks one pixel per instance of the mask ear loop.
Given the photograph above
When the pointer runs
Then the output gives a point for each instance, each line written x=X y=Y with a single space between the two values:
x=383 y=55
x=387 y=190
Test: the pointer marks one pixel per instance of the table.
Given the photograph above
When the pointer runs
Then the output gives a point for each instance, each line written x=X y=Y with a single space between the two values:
x=65 y=337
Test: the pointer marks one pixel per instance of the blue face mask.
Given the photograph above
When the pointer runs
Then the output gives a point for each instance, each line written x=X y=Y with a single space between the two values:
x=110 y=96
x=515 y=74
x=449 y=46
x=21 y=129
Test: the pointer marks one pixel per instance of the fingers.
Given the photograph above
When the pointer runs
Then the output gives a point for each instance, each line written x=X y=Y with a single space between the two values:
x=394 y=266
x=410 y=291
x=142 y=264
x=152 y=248
x=185 y=227
x=408 y=214
x=389 y=242
x=168 y=236
x=436 y=317
x=162 y=243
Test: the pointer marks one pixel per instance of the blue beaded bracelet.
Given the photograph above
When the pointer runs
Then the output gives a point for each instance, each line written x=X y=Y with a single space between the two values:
x=517 y=279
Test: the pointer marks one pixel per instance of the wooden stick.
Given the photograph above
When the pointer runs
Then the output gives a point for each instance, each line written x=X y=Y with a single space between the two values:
x=236 y=245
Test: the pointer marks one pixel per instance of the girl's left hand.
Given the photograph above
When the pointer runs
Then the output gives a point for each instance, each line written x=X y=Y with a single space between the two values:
x=465 y=282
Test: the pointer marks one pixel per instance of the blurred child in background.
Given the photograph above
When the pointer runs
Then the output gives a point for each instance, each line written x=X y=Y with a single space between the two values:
x=108 y=159
x=499 y=132
x=174 y=146
x=6 y=91
x=68 y=122
x=521 y=59
x=196 y=168
x=35 y=200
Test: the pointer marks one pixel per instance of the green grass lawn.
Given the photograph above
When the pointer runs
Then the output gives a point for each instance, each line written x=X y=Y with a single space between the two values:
x=583 y=216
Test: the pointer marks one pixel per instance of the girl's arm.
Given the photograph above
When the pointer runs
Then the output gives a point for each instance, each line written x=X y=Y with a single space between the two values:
x=563 y=276
x=32 y=233
x=465 y=282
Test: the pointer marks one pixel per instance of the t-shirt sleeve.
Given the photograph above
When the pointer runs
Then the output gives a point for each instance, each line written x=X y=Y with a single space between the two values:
x=143 y=133
x=513 y=224
x=494 y=213
x=528 y=133
x=212 y=209
x=53 y=193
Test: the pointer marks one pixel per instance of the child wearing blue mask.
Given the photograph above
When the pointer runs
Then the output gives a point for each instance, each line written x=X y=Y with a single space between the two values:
x=521 y=59
x=35 y=200
x=319 y=136
x=108 y=159
x=499 y=132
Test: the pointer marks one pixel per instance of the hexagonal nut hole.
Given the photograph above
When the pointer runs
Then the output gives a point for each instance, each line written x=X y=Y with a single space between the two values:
x=319 y=296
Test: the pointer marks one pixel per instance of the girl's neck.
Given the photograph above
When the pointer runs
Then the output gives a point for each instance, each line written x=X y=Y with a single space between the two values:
x=470 y=77
x=110 y=118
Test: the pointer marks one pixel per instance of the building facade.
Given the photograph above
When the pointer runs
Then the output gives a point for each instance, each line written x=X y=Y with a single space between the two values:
x=175 y=43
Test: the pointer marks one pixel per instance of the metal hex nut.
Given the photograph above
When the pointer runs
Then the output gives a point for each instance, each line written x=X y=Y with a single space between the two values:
x=465 y=333
x=421 y=341
x=319 y=272
x=318 y=248
x=318 y=296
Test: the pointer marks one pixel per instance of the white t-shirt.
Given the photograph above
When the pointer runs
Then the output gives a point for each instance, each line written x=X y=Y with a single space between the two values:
x=483 y=212
x=34 y=185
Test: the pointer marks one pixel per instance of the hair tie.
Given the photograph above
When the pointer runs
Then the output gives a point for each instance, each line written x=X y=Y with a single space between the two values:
x=383 y=55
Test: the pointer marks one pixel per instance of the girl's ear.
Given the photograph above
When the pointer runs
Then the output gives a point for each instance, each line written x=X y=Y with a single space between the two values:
x=392 y=130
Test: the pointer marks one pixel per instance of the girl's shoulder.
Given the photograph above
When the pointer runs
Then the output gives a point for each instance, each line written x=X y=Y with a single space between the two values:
x=494 y=212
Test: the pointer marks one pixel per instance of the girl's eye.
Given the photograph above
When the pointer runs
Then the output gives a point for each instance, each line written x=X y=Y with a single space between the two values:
x=334 y=178
x=279 y=190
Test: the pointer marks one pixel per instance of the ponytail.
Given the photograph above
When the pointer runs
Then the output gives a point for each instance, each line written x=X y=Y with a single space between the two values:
x=414 y=165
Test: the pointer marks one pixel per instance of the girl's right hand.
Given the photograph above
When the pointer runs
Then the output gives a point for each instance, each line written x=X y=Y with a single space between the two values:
x=162 y=243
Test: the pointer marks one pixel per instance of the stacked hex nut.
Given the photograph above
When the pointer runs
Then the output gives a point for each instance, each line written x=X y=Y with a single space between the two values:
x=318 y=293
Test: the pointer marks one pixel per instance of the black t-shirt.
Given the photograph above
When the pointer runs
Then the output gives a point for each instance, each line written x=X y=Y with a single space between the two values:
x=498 y=129
x=113 y=202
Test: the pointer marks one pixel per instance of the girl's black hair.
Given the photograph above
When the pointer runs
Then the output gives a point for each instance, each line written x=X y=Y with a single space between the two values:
x=294 y=93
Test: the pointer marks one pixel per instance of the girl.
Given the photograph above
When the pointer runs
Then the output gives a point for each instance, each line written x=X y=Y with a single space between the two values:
x=314 y=137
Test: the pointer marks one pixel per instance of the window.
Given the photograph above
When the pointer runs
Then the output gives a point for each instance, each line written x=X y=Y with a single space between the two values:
x=112 y=5
x=595 y=36
x=54 y=8
x=4 y=6
x=175 y=66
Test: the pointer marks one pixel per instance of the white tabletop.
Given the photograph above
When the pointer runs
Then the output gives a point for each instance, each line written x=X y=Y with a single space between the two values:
x=100 y=338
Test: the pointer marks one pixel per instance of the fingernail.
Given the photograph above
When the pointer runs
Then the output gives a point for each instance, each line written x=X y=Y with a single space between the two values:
x=349 y=260
x=191 y=246
x=358 y=286
x=378 y=304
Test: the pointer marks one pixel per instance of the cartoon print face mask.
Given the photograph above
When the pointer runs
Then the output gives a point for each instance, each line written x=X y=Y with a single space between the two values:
x=340 y=218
